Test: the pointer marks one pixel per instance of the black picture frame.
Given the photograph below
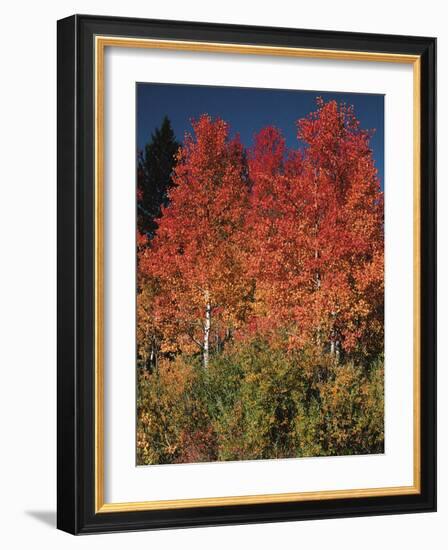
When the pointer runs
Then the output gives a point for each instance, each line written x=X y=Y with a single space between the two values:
x=76 y=254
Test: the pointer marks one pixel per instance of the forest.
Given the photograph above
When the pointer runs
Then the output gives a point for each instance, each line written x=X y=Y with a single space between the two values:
x=260 y=292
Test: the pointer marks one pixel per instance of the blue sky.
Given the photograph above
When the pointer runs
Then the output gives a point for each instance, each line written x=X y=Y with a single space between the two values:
x=247 y=110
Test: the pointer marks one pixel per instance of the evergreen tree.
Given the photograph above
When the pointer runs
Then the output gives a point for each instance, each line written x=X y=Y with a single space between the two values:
x=155 y=167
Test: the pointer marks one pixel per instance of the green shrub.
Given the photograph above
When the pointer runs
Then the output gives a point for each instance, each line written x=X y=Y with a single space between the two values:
x=350 y=412
x=257 y=402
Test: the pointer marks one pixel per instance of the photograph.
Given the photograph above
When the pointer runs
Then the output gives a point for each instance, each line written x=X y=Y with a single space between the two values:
x=246 y=274
x=225 y=333
x=259 y=273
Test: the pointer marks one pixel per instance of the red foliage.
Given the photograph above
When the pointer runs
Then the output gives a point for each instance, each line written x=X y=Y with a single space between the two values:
x=316 y=224
x=196 y=252
x=298 y=251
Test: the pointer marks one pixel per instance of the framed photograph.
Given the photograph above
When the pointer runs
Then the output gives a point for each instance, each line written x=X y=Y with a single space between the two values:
x=246 y=274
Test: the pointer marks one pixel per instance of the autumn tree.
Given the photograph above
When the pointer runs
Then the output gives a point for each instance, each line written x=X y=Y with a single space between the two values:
x=273 y=233
x=317 y=225
x=196 y=256
x=154 y=176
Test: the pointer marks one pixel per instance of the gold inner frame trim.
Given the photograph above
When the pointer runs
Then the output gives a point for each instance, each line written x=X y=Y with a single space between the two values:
x=101 y=42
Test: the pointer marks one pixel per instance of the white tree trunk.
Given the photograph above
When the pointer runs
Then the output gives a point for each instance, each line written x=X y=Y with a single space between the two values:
x=207 y=326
